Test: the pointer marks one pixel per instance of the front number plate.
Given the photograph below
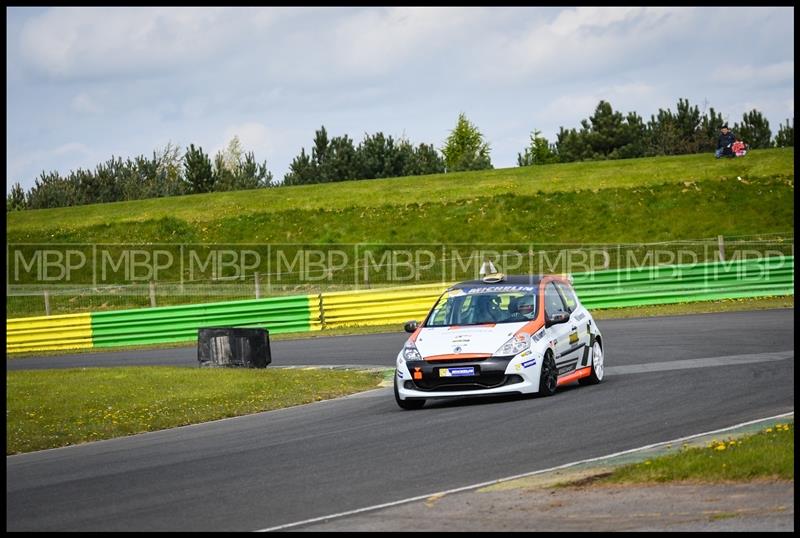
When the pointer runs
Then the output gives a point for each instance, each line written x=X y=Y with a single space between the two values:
x=457 y=372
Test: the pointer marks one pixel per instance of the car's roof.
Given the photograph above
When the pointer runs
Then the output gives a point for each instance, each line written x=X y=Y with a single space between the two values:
x=508 y=280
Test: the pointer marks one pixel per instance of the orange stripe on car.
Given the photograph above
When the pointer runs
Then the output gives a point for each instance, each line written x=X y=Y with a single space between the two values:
x=532 y=327
x=574 y=376
x=413 y=337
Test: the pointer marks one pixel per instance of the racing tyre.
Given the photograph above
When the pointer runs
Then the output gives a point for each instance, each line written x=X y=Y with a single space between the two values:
x=596 y=375
x=548 y=379
x=406 y=404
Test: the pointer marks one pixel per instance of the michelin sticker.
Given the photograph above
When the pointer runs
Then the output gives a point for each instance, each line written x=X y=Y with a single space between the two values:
x=529 y=363
x=493 y=289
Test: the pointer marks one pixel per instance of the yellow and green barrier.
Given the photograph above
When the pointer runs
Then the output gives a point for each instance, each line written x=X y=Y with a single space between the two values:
x=607 y=289
x=378 y=307
x=49 y=333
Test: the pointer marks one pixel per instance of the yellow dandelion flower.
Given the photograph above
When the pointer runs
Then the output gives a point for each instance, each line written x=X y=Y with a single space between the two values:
x=721 y=447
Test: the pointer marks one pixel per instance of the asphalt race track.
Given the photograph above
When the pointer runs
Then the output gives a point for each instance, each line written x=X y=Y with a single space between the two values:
x=667 y=377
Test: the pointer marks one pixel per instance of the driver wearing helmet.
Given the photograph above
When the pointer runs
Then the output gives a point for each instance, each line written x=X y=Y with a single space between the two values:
x=523 y=308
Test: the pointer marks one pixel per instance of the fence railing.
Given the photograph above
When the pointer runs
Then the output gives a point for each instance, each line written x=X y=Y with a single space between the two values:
x=638 y=286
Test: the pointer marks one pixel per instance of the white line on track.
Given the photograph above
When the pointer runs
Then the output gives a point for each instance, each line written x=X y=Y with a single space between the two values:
x=515 y=477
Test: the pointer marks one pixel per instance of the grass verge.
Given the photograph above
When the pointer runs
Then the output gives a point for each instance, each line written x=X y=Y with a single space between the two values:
x=55 y=408
x=768 y=454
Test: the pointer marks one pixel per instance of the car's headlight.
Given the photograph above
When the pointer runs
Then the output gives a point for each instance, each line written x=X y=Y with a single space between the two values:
x=410 y=352
x=517 y=344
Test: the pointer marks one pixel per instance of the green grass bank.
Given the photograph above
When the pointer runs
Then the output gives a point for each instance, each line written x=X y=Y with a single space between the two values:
x=650 y=199
x=55 y=408
x=768 y=454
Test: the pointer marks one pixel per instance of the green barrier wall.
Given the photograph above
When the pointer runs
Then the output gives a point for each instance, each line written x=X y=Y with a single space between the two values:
x=180 y=323
x=686 y=283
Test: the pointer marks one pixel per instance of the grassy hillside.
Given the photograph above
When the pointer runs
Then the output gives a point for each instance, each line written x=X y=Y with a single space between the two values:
x=653 y=199
x=658 y=213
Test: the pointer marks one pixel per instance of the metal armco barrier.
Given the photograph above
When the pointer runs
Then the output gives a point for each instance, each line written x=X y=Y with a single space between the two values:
x=46 y=333
x=607 y=289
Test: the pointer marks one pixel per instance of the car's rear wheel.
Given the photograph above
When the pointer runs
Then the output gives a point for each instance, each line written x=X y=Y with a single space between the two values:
x=406 y=404
x=598 y=368
x=548 y=379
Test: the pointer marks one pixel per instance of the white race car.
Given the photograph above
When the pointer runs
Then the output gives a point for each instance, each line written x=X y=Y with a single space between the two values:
x=499 y=335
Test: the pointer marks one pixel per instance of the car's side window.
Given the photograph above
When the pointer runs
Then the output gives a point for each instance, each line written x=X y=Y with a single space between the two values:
x=569 y=296
x=552 y=300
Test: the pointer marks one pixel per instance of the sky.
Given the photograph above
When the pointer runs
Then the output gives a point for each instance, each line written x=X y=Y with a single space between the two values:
x=85 y=84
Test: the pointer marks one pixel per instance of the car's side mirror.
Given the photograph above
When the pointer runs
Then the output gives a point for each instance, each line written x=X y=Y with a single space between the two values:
x=411 y=326
x=556 y=318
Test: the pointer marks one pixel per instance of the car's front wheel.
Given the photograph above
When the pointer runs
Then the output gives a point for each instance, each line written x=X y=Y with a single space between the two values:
x=406 y=404
x=548 y=379
x=596 y=375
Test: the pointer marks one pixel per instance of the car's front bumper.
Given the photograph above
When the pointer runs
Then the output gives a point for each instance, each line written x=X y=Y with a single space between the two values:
x=490 y=376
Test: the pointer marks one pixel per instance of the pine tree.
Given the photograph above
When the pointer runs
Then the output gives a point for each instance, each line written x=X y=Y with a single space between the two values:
x=709 y=130
x=540 y=151
x=15 y=200
x=570 y=146
x=465 y=148
x=754 y=130
x=199 y=174
x=319 y=156
x=428 y=160
x=301 y=170
x=375 y=155
x=785 y=136
x=342 y=159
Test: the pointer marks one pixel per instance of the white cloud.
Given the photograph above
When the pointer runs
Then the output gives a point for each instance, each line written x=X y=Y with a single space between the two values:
x=72 y=43
x=761 y=75
x=571 y=23
x=380 y=41
x=579 y=44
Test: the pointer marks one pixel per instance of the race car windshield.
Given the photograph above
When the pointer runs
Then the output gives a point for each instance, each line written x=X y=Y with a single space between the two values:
x=479 y=306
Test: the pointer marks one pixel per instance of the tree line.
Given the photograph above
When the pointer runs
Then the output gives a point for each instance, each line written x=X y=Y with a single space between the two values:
x=607 y=134
x=376 y=156
x=169 y=172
